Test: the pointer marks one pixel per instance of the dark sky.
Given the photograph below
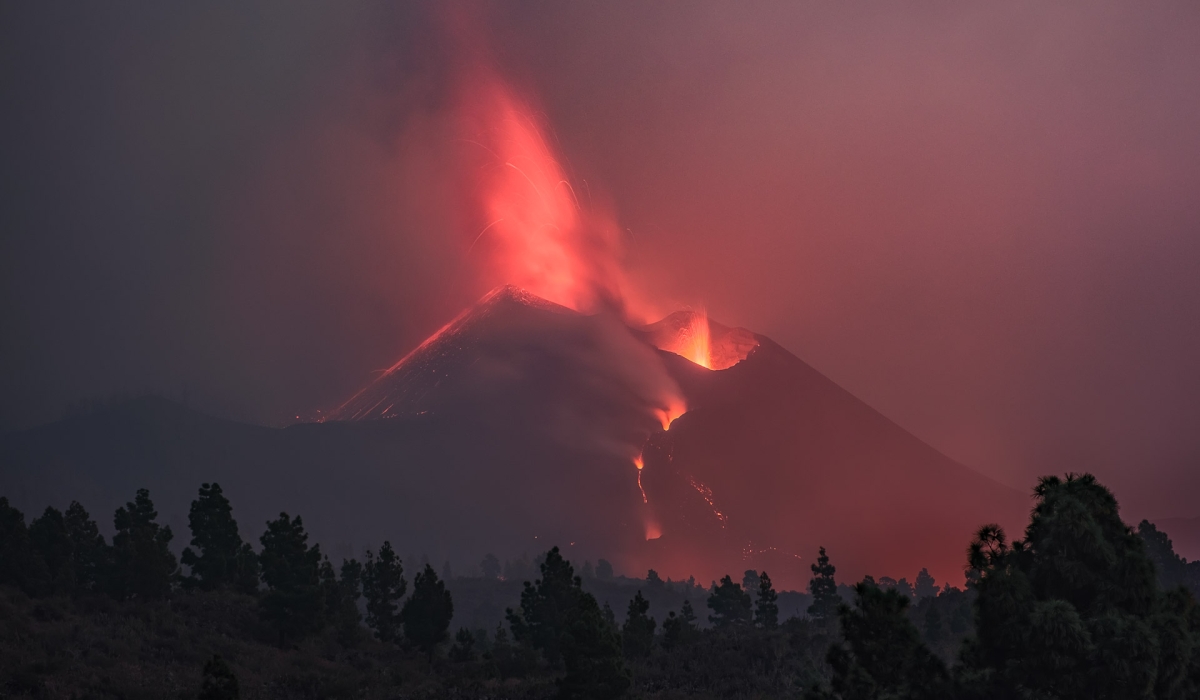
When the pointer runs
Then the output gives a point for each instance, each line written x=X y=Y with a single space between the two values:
x=984 y=221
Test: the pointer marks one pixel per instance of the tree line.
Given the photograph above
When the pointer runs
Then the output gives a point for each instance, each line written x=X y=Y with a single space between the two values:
x=1082 y=606
x=298 y=589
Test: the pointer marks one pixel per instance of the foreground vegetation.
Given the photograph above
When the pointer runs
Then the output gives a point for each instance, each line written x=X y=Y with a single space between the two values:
x=1081 y=607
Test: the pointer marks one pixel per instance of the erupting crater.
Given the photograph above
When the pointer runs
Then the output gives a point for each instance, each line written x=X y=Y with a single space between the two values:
x=693 y=335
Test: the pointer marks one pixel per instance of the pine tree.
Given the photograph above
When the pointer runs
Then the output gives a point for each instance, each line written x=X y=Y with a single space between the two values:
x=881 y=655
x=92 y=555
x=637 y=636
x=341 y=596
x=19 y=564
x=291 y=569
x=383 y=586
x=680 y=629
x=1073 y=610
x=52 y=544
x=463 y=649
x=144 y=565
x=221 y=559
x=766 y=605
x=591 y=653
x=730 y=604
x=823 y=588
x=427 y=614
x=926 y=586
x=548 y=605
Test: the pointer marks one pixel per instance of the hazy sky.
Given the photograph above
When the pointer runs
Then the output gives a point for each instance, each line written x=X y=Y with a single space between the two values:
x=984 y=221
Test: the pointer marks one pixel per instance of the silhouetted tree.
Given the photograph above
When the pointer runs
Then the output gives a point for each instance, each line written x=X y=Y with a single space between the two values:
x=609 y=616
x=19 y=564
x=1073 y=610
x=341 y=598
x=383 y=586
x=882 y=655
x=926 y=586
x=679 y=629
x=144 y=565
x=933 y=632
x=766 y=604
x=221 y=559
x=604 y=570
x=463 y=649
x=587 y=572
x=548 y=606
x=490 y=566
x=219 y=683
x=654 y=582
x=823 y=588
x=52 y=545
x=1172 y=570
x=427 y=614
x=730 y=604
x=293 y=603
x=91 y=555
x=591 y=654
x=750 y=583
x=637 y=636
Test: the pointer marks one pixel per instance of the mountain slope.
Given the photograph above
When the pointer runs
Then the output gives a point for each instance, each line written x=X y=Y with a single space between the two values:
x=517 y=427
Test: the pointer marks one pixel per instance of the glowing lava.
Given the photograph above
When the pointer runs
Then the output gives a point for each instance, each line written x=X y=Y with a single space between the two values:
x=695 y=343
x=637 y=462
x=707 y=494
x=666 y=416
x=535 y=233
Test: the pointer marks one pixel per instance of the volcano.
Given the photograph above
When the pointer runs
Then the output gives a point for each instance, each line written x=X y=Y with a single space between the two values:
x=523 y=424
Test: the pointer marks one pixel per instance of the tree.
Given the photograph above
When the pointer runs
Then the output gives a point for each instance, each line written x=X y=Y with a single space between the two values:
x=766 y=605
x=604 y=570
x=341 y=598
x=730 y=604
x=1073 y=610
x=591 y=654
x=219 y=683
x=1172 y=570
x=926 y=585
x=427 y=614
x=144 y=565
x=750 y=583
x=224 y=560
x=548 y=607
x=19 y=564
x=291 y=569
x=882 y=655
x=637 y=636
x=52 y=545
x=90 y=552
x=823 y=588
x=679 y=629
x=383 y=586
x=654 y=581
x=490 y=566
x=463 y=649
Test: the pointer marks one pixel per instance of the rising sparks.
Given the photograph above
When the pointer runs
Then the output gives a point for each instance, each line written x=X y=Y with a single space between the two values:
x=539 y=236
